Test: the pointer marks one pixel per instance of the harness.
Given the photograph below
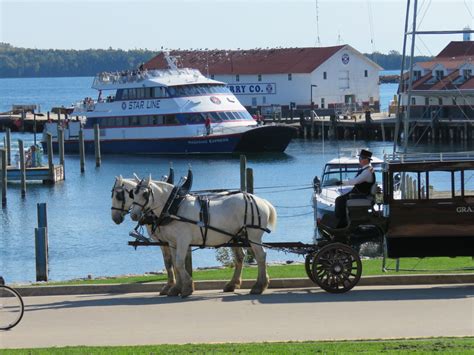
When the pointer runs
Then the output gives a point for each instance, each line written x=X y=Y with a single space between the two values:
x=170 y=214
x=120 y=196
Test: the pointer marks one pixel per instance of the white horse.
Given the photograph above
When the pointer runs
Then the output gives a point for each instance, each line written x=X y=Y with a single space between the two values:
x=121 y=204
x=230 y=215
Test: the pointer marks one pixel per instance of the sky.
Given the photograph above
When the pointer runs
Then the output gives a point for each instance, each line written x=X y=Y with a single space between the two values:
x=367 y=25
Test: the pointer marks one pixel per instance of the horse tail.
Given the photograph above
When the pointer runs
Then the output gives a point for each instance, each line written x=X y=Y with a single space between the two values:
x=272 y=218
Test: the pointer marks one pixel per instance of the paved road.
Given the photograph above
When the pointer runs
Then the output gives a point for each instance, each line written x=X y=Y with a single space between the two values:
x=278 y=315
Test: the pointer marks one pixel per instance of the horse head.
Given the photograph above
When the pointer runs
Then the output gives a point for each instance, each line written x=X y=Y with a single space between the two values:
x=149 y=197
x=122 y=198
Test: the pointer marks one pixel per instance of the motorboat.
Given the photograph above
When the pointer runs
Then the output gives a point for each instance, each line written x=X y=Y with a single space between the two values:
x=166 y=111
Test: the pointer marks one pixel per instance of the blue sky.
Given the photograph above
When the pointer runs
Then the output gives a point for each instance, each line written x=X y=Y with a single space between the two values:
x=367 y=25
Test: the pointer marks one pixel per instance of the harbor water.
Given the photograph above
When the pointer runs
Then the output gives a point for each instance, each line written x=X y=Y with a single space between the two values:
x=83 y=240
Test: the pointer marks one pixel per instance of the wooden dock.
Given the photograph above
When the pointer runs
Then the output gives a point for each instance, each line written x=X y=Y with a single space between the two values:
x=42 y=173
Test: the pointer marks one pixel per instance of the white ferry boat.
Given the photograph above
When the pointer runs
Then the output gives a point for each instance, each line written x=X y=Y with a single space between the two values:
x=164 y=112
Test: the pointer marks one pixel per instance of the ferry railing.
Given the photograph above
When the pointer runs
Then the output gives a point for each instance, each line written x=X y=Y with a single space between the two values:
x=139 y=75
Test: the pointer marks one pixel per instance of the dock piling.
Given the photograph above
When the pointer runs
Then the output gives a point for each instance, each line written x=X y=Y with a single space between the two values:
x=41 y=252
x=49 y=139
x=249 y=177
x=21 y=151
x=8 y=145
x=3 y=153
x=243 y=167
x=98 y=159
x=81 y=149
x=61 y=148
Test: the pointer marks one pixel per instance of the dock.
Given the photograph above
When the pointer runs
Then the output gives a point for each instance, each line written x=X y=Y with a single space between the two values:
x=40 y=173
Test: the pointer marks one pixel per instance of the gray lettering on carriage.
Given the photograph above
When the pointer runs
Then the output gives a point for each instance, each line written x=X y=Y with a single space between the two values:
x=467 y=209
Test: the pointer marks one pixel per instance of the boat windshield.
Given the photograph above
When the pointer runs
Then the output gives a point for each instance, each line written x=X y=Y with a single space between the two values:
x=335 y=172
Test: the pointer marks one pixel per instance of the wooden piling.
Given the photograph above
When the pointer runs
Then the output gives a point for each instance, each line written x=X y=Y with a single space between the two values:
x=81 y=149
x=97 y=145
x=21 y=151
x=61 y=147
x=249 y=177
x=41 y=251
x=3 y=153
x=42 y=215
x=49 y=140
x=243 y=176
x=8 y=142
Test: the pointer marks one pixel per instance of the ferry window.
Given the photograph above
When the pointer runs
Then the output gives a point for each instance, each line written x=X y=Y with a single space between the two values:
x=157 y=120
x=193 y=118
x=134 y=121
x=366 y=73
x=467 y=74
x=228 y=115
x=157 y=92
x=144 y=120
x=440 y=101
x=212 y=76
x=171 y=91
x=125 y=94
x=148 y=93
x=413 y=101
x=119 y=121
x=235 y=115
x=140 y=93
x=440 y=185
x=468 y=182
x=412 y=185
x=215 y=117
x=237 y=77
x=427 y=101
x=289 y=77
x=132 y=94
x=325 y=75
x=170 y=119
x=259 y=77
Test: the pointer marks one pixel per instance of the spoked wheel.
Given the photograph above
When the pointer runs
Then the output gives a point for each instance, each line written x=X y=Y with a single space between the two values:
x=337 y=268
x=11 y=308
x=307 y=266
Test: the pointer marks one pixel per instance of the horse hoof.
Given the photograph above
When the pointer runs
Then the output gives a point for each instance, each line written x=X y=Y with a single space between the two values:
x=256 y=291
x=186 y=293
x=173 y=292
x=231 y=287
x=164 y=291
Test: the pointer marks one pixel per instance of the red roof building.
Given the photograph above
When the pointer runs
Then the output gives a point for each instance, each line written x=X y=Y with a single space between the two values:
x=444 y=86
x=287 y=78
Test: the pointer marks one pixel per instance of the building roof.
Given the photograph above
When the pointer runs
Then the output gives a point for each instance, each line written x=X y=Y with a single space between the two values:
x=452 y=57
x=458 y=50
x=252 y=61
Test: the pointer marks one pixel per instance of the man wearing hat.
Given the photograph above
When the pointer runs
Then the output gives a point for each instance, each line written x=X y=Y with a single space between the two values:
x=362 y=182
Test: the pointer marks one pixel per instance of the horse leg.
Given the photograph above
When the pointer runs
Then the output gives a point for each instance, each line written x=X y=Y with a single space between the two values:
x=187 y=282
x=188 y=264
x=175 y=290
x=262 y=278
x=236 y=280
x=169 y=270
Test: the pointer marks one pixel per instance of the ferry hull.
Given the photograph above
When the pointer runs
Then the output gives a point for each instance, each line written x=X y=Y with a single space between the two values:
x=257 y=140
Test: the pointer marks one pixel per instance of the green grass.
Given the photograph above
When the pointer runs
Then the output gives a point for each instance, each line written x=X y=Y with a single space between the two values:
x=420 y=346
x=370 y=267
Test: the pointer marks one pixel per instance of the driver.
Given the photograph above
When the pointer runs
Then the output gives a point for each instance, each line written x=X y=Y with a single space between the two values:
x=362 y=182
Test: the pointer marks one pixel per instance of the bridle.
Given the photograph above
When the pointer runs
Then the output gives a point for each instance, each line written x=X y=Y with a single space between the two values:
x=120 y=196
x=147 y=194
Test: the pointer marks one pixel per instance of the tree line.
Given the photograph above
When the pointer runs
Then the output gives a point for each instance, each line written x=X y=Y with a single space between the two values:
x=18 y=62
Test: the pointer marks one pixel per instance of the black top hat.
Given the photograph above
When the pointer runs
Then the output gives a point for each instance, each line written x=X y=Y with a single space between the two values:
x=365 y=154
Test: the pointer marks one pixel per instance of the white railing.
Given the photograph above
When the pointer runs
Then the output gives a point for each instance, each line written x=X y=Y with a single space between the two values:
x=428 y=157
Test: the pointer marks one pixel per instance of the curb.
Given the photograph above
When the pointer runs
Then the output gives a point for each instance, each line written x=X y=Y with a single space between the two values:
x=389 y=280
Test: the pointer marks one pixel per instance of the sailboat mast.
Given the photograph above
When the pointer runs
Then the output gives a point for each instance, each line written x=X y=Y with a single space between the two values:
x=402 y=83
x=410 y=81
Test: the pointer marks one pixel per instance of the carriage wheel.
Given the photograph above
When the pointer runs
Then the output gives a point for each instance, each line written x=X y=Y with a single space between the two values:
x=307 y=266
x=336 y=268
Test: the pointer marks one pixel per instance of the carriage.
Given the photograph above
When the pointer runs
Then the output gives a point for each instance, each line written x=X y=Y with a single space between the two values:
x=426 y=209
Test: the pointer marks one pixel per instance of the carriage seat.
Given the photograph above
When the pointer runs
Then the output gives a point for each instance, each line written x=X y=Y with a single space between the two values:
x=360 y=200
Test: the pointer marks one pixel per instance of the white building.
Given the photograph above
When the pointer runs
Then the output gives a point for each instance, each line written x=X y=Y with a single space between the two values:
x=338 y=77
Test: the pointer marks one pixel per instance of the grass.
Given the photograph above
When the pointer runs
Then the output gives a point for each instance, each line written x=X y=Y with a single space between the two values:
x=370 y=267
x=420 y=346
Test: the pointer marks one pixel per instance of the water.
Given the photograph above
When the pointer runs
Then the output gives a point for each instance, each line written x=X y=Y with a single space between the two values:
x=83 y=239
